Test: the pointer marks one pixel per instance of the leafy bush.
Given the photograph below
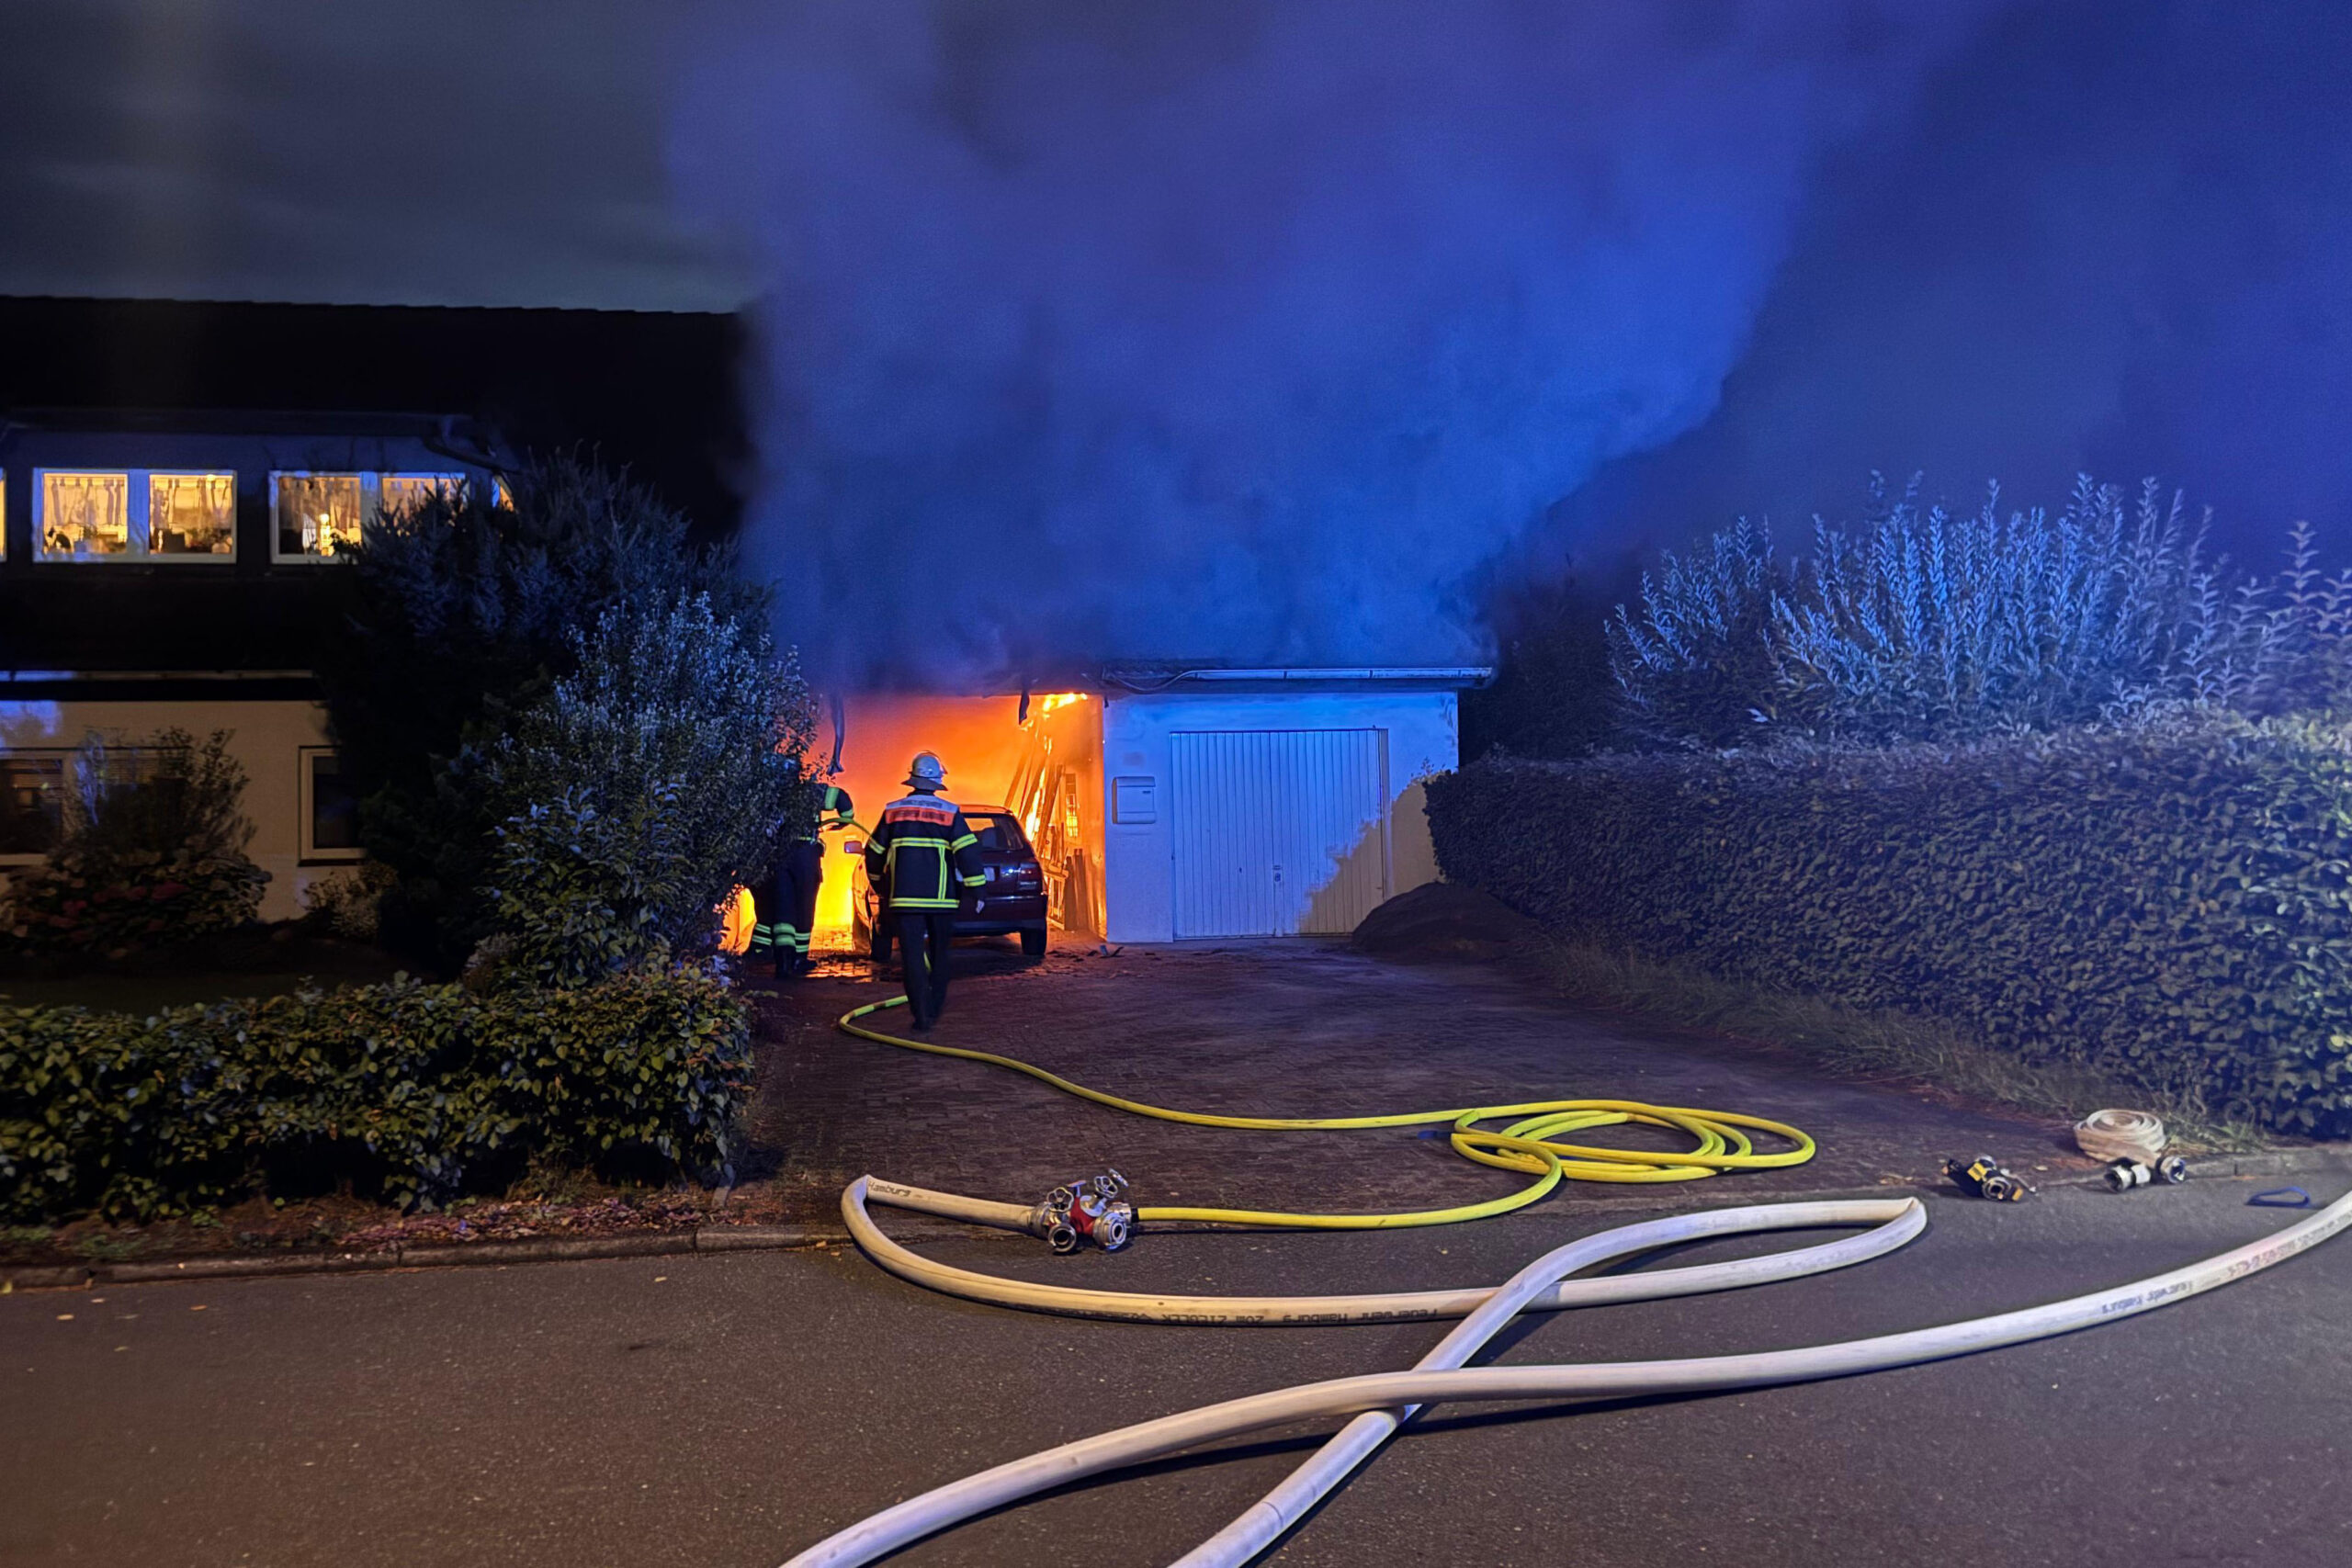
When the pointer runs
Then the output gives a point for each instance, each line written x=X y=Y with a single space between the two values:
x=2168 y=902
x=346 y=902
x=1926 y=625
x=414 y=1091
x=153 y=852
x=1697 y=666
x=643 y=790
x=467 y=611
x=137 y=900
x=165 y=796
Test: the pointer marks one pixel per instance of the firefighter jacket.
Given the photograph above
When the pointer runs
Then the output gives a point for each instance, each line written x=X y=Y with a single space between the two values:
x=919 y=853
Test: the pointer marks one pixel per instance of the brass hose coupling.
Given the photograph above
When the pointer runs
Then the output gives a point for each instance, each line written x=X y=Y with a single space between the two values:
x=1092 y=1208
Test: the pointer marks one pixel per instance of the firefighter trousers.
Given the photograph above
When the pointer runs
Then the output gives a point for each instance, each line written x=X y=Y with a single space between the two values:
x=784 y=912
x=923 y=938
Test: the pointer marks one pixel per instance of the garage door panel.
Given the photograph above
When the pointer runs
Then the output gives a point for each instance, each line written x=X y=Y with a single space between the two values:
x=1277 y=832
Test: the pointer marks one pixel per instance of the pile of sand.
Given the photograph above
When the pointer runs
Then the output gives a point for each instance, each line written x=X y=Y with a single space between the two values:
x=1439 y=923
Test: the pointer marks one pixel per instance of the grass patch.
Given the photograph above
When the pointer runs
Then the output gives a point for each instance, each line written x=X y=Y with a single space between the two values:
x=1903 y=1047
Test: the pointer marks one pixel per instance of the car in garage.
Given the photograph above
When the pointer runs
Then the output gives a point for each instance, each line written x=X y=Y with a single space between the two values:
x=1010 y=901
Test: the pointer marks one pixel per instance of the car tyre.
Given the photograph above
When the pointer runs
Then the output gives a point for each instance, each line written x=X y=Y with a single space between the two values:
x=1033 y=944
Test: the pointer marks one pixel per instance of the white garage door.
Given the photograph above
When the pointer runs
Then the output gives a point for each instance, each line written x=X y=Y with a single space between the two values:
x=1277 y=832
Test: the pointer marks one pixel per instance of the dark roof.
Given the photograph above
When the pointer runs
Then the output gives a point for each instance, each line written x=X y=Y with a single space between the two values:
x=655 y=391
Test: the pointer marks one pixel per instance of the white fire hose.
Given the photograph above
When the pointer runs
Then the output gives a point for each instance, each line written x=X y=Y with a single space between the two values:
x=1379 y=1402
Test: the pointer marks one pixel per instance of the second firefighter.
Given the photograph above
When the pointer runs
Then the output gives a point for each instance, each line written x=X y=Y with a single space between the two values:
x=921 y=857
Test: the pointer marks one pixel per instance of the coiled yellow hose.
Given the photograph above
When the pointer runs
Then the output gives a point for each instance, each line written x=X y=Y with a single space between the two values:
x=1529 y=1144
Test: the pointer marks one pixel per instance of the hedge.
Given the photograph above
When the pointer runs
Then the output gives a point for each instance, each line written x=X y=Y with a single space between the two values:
x=407 y=1090
x=2171 y=903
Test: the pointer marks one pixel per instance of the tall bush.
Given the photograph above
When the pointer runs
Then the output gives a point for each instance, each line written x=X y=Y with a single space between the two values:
x=2169 y=901
x=467 y=608
x=642 y=789
x=1921 y=624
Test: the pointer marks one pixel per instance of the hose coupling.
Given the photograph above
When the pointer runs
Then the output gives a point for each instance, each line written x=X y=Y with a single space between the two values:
x=1092 y=1208
x=1985 y=1176
x=2123 y=1175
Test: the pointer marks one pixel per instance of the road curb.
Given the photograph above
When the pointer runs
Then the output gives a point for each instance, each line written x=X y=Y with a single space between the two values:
x=435 y=1255
x=2335 y=1159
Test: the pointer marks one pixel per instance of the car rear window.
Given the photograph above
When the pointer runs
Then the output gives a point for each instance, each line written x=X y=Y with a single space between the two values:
x=997 y=832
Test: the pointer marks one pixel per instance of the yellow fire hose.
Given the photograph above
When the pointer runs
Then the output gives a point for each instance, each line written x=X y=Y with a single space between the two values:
x=1529 y=1144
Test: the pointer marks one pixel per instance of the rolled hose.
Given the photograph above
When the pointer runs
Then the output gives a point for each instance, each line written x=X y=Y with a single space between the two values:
x=1380 y=1402
x=2121 y=1134
x=1530 y=1143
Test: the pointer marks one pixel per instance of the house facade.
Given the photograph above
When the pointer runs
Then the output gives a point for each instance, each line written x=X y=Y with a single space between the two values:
x=180 y=484
x=181 y=571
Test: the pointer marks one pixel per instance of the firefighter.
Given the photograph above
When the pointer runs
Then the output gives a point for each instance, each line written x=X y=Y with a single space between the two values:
x=784 y=908
x=919 y=856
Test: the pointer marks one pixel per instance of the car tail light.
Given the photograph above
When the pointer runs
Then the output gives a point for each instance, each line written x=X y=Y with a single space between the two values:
x=1026 y=876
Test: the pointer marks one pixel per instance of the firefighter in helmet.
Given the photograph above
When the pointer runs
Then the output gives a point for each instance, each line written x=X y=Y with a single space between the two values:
x=784 y=907
x=919 y=858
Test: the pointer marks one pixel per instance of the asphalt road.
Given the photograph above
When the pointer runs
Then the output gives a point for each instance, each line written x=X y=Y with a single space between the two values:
x=730 y=1410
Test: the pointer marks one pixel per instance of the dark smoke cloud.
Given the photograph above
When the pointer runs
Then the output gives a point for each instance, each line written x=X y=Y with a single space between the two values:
x=2114 y=237
x=1240 y=330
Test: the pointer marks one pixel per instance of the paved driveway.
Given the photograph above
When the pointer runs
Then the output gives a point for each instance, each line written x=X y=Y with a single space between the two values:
x=1288 y=1028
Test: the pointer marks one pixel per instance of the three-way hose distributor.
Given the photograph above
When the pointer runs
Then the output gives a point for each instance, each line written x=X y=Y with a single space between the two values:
x=1092 y=1208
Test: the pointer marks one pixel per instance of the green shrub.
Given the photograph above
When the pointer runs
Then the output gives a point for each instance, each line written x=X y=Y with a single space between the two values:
x=139 y=900
x=467 y=608
x=153 y=852
x=2170 y=903
x=411 y=1091
x=168 y=794
x=641 y=790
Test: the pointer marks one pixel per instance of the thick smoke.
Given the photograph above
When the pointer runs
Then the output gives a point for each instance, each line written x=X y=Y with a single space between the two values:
x=2115 y=235
x=1249 y=330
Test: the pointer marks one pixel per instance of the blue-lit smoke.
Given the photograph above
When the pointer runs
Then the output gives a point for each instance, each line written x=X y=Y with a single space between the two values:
x=2113 y=236
x=1242 y=331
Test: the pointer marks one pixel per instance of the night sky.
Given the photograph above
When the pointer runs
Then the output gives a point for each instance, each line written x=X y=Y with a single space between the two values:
x=408 y=152
x=1285 y=329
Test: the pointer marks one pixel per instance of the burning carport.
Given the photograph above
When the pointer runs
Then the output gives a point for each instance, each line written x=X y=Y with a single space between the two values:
x=1168 y=803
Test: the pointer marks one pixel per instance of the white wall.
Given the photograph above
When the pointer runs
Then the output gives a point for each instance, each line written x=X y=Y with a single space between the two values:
x=266 y=737
x=1422 y=739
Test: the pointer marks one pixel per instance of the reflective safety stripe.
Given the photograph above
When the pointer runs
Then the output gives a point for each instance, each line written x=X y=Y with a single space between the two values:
x=922 y=903
x=972 y=881
x=968 y=839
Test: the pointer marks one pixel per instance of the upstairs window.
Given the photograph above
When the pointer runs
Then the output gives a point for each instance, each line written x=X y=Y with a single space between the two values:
x=319 y=516
x=135 y=514
x=83 y=516
x=405 y=492
x=192 y=515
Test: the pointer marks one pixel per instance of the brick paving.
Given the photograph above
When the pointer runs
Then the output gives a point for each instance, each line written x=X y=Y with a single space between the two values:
x=1288 y=1028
